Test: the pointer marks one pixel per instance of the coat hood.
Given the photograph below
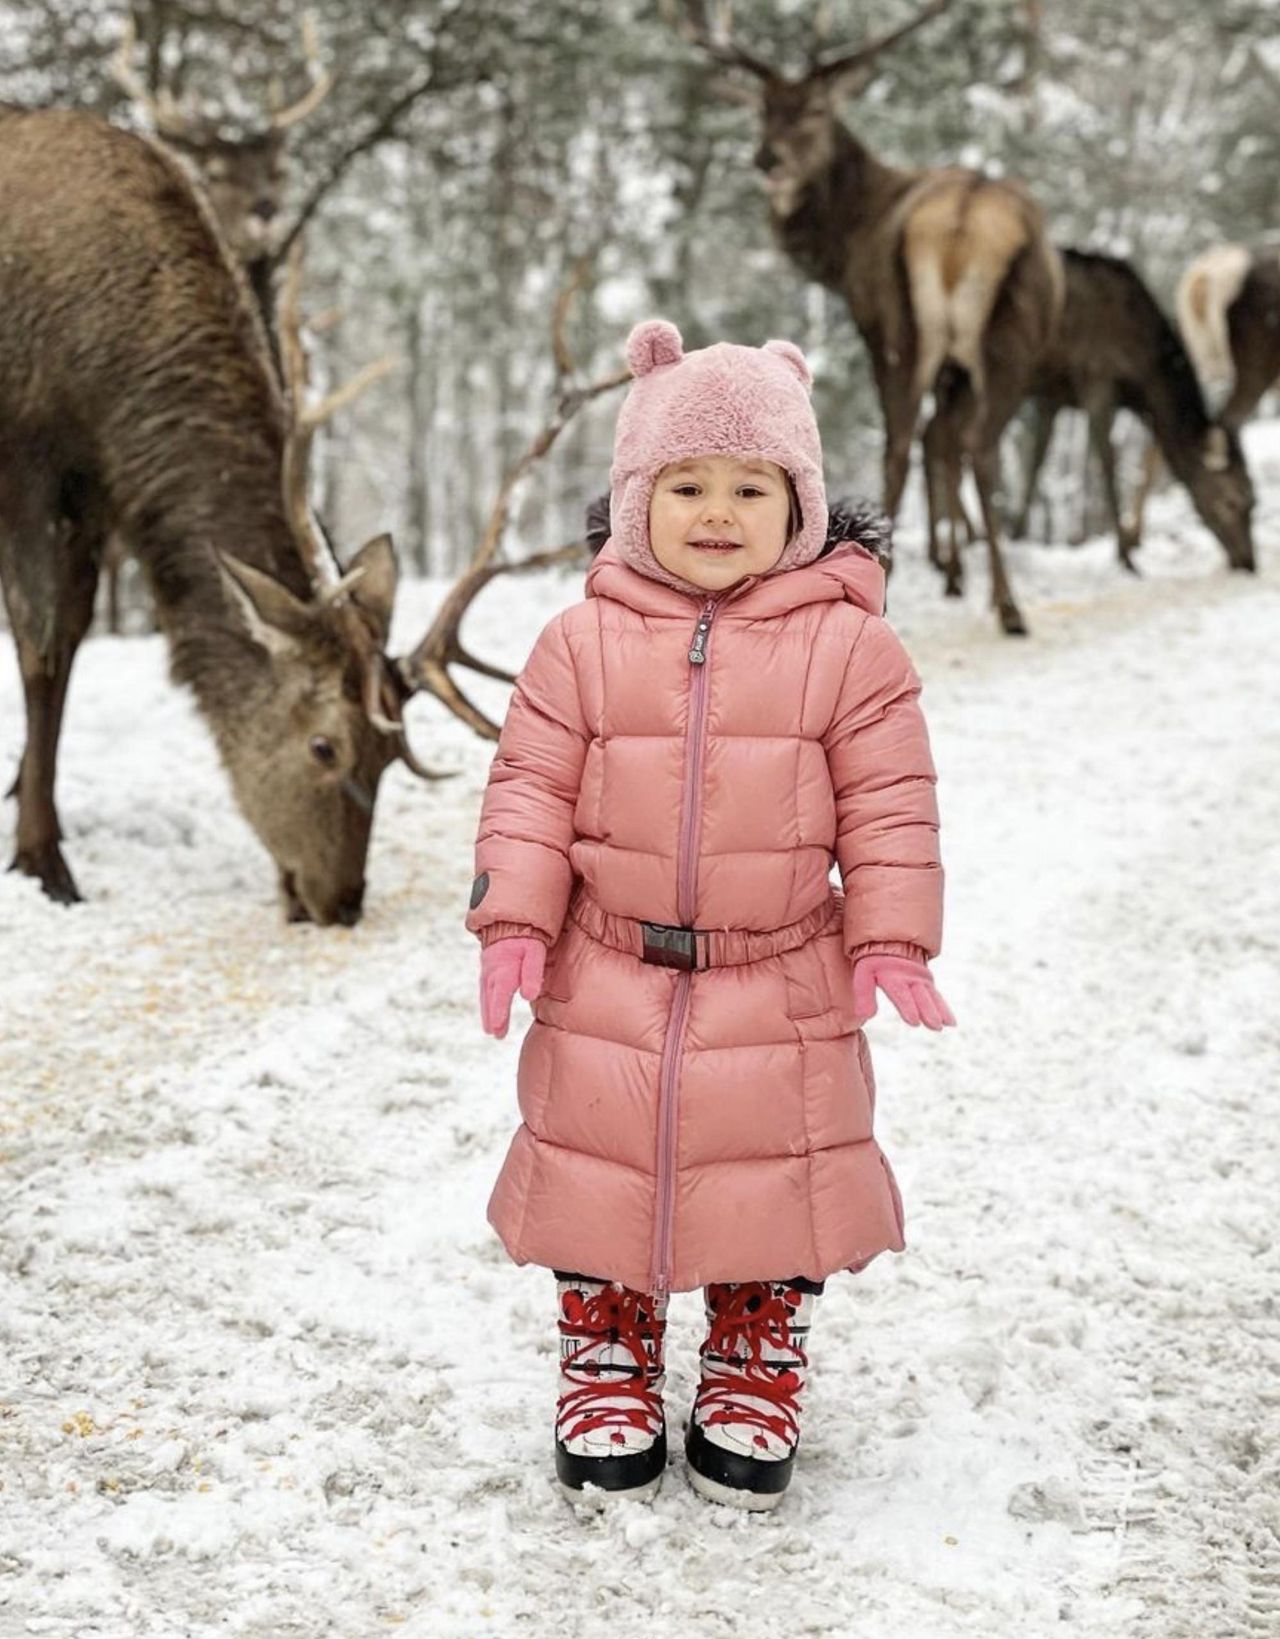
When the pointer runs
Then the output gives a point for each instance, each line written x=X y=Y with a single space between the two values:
x=750 y=402
x=848 y=573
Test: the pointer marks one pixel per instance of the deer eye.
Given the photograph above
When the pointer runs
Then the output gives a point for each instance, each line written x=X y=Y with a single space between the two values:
x=323 y=751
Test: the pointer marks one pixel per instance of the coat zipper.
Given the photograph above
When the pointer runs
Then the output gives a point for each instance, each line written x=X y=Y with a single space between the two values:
x=685 y=884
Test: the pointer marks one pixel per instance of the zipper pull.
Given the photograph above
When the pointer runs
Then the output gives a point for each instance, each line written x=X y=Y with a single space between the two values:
x=698 y=649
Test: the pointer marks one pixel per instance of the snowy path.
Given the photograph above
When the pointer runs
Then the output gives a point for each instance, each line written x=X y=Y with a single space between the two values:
x=264 y=1370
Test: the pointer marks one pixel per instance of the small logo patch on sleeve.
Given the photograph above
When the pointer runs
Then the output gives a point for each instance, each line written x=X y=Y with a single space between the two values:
x=479 y=888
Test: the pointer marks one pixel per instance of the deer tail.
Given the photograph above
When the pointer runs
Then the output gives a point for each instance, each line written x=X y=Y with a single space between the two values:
x=959 y=243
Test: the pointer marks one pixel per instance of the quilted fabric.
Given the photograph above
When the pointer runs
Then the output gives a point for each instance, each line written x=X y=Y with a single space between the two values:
x=683 y=1128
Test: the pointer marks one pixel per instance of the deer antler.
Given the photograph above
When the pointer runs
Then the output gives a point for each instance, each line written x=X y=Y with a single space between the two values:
x=305 y=418
x=856 y=67
x=162 y=112
x=321 y=81
x=427 y=667
x=689 y=19
x=382 y=694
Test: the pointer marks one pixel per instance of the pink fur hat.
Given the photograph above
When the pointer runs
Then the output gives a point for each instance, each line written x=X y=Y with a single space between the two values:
x=751 y=402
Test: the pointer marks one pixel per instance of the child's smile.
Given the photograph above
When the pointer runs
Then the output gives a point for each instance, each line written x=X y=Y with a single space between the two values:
x=717 y=519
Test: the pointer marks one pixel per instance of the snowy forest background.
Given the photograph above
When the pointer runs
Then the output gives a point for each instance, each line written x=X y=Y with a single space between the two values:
x=265 y=1371
x=468 y=153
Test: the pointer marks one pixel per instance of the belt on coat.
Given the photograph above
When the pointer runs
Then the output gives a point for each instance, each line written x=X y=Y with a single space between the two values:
x=693 y=949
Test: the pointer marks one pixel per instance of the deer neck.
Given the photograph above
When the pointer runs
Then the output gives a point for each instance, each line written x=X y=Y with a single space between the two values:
x=1164 y=387
x=221 y=496
x=828 y=234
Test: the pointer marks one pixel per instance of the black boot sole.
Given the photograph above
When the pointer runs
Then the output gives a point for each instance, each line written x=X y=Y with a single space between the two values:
x=636 y=1474
x=737 y=1481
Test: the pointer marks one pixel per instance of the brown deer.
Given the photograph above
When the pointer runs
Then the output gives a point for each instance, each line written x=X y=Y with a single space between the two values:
x=948 y=274
x=137 y=394
x=1228 y=304
x=244 y=179
x=1114 y=349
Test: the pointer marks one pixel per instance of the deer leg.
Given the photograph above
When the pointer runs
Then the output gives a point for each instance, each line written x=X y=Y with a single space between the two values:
x=114 y=562
x=47 y=634
x=971 y=532
x=936 y=485
x=1042 y=424
x=956 y=406
x=1100 y=420
x=900 y=400
x=1151 y=464
x=959 y=523
x=947 y=458
x=985 y=465
x=37 y=853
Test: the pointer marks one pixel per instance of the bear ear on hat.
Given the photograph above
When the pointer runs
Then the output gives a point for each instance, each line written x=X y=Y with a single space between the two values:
x=791 y=354
x=651 y=343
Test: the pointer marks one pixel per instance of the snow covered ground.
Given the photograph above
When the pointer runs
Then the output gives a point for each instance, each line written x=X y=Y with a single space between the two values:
x=265 y=1371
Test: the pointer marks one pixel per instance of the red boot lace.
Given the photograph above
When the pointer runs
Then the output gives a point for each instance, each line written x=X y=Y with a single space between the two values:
x=614 y=1315
x=739 y=1332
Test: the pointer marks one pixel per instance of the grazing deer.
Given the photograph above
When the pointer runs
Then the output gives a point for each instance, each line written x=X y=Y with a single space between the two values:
x=1228 y=304
x=948 y=274
x=137 y=395
x=1114 y=349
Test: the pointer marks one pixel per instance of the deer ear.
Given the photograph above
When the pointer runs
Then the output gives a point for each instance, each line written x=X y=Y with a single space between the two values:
x=790 y=354
x=376 y=590
x=654 y=342
x=272 y=615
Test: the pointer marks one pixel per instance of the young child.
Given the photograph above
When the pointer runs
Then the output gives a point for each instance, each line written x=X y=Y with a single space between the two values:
x=686 y=754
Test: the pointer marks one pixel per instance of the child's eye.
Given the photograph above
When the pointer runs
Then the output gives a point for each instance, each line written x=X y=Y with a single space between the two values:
x=749 y=490
x=685 y=489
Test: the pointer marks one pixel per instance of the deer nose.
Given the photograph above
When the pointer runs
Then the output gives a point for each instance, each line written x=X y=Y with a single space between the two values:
x=348 y=911
x=765 y=158
x=263 y=209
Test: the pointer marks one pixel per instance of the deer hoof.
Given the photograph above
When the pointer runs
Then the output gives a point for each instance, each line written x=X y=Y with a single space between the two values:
x=48 y=865
x=1011 y=621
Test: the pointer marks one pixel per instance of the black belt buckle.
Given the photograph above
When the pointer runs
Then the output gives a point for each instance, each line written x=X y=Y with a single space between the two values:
x=672 y=947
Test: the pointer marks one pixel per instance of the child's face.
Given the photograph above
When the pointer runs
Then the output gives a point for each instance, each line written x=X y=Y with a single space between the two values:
x=716 y=519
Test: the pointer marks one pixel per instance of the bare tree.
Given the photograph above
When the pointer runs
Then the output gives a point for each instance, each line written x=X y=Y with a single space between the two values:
x=427 y=667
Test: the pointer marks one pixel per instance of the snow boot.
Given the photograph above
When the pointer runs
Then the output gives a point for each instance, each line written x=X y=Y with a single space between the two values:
x=745 y=1424
x=611 y=1430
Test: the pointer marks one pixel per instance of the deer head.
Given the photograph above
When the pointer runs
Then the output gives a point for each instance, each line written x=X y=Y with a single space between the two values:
x=244 y=178
x=244 y=175
x=305 y=753
x=799 y=121
x=1223 y=493
x=323 y=717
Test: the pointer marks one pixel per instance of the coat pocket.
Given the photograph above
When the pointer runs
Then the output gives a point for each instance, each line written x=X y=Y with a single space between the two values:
x=557 y=983
x=837 y=978
x=803 y=973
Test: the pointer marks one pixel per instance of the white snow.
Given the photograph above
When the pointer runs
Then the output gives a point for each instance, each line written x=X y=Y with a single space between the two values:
x=264 y=1369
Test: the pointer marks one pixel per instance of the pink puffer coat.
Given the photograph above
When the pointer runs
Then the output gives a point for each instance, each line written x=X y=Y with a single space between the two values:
x=682 y=1127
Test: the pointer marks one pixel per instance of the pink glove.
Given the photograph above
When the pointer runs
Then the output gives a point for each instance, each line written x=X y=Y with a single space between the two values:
x=908 y=985
x=505 y=966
